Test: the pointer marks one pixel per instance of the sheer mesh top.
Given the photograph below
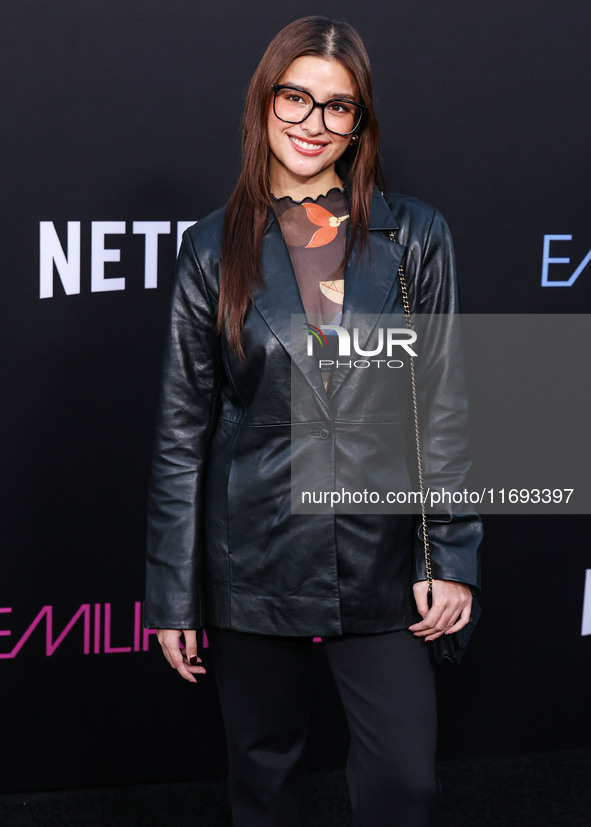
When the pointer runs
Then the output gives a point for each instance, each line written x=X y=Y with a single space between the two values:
x=315 y=231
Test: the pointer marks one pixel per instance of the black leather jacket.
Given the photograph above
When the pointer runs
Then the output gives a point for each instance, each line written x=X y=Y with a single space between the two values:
x=224 y=546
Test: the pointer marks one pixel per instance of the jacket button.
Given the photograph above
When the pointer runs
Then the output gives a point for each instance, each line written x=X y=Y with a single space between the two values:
x=324 y=434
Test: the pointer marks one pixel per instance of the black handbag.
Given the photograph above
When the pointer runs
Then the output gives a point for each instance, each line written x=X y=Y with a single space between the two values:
x=445 y=649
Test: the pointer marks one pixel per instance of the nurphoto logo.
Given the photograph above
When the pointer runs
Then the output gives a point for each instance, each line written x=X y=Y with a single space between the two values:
x=388 y=339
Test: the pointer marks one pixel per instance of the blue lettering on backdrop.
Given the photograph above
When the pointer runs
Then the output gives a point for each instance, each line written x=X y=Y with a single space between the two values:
x=547 y=260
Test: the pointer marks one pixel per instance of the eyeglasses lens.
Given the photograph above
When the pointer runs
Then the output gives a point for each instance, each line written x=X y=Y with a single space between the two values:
x=294 y=106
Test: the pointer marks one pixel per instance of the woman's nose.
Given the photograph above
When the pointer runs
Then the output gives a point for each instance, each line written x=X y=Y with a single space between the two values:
x=314 y=122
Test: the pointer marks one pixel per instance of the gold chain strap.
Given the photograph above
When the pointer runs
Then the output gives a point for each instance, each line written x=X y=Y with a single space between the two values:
x=408 y=320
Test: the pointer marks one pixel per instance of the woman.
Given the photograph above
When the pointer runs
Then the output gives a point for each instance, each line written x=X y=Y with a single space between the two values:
x=309 y=231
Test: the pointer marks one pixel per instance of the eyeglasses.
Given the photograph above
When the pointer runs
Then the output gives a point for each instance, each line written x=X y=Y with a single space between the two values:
x=293 y=105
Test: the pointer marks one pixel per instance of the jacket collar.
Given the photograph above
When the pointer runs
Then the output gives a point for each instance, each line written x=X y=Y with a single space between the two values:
x=370 y=277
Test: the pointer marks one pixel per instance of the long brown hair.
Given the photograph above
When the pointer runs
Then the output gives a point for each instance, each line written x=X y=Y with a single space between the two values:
x=249 y=203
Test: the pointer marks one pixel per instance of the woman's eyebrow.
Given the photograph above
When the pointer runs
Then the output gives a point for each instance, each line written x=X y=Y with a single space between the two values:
x=331 y=95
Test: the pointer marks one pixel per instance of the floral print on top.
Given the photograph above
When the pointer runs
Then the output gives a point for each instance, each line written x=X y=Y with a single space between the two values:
x=315 y=232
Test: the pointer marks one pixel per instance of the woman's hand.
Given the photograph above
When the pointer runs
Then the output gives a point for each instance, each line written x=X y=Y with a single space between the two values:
x=449 y=612
x=187 y=664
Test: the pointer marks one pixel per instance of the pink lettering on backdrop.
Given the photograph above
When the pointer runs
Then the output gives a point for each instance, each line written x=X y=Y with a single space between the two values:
x=146 y=638
x=137 y=625
x=108 y=648
x=28 y=632
x=83 y=611
x=51 y=645
x=97 y=628
x=99 y=617
x=5 y=632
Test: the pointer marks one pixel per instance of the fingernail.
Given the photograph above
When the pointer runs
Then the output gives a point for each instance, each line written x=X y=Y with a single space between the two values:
x=193 y=660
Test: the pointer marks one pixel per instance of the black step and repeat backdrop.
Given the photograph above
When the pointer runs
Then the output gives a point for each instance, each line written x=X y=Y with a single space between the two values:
x=120 y=129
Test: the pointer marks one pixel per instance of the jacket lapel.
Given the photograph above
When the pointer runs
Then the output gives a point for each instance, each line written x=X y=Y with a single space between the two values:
x=279 y=299
x=369 y=278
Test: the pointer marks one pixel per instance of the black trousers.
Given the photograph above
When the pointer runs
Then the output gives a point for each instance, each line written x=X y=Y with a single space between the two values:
x=387 y=687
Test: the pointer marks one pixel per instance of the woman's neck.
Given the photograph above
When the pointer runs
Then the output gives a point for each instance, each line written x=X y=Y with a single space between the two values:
x=306 y=188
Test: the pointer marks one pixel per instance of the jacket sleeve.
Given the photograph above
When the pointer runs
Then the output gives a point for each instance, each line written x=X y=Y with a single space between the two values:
x=455 y=531
x=191 y=377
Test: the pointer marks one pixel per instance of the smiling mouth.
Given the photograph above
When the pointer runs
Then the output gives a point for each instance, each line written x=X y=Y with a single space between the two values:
x=308 y=146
